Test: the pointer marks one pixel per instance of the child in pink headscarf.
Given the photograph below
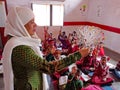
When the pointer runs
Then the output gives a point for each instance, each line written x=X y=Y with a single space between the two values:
x=101 y=72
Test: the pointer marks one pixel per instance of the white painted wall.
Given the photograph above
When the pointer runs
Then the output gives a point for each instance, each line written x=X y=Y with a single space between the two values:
x=72 y=8
x=105 y=12
x=18 y=2
x=73 y=12
x=112 y=41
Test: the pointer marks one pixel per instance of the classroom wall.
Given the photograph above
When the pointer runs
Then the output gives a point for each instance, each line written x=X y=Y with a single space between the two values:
x=76 y=10
x=107 y=12
x=103 y=12
x=112 y=41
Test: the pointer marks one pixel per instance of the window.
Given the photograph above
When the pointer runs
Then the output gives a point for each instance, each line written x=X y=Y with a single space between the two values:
x=48 y=14
x=57 y=15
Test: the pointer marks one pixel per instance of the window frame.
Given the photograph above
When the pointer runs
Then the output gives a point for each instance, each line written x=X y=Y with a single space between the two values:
x=51 y=3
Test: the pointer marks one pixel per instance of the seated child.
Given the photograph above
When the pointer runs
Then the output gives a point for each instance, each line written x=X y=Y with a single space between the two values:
x=101 y=49
x=116 y=71
x=74 y=46
x=53 y=54
x=50 y=53
x=74 y=82
x=101 y=72
x=87 y=64
x=118 y=66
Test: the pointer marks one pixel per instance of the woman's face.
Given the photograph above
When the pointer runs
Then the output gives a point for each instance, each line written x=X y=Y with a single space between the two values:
x=31 y=27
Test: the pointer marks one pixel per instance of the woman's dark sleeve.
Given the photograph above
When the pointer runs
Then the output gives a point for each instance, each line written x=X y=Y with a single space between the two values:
x=26 y=57
x=70 y=59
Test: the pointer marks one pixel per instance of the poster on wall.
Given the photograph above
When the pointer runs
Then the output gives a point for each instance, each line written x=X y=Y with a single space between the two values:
x=2 y=14
x=83 y=9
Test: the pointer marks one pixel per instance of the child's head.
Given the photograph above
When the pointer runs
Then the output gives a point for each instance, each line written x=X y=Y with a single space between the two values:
x=78 y=73
x=104 y=60
x=73 y=41
x=74 y=32
x=100 y=45
x=74 y=69
x=57 y=54
x=51 y=49
x=63 y=33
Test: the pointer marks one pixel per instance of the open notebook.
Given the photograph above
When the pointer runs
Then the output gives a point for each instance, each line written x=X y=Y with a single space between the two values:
x=85 y=77
x=63 y=80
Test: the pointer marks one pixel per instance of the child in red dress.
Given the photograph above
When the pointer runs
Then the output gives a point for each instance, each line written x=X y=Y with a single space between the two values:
x=101 y=72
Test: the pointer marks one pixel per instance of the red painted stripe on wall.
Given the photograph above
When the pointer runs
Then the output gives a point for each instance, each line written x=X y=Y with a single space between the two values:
x=105 y=27
x=4 y=39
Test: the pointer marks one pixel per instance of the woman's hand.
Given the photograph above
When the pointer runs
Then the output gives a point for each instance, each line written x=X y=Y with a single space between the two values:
x=84 y=52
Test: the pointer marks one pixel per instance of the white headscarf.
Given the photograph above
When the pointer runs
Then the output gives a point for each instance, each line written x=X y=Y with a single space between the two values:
x=16 y=19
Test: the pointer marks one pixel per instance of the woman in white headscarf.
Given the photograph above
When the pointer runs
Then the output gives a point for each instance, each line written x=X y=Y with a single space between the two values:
x=23 y=64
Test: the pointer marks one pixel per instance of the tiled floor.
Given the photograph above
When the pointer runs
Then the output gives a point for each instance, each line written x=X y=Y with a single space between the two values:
x=114 y=59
